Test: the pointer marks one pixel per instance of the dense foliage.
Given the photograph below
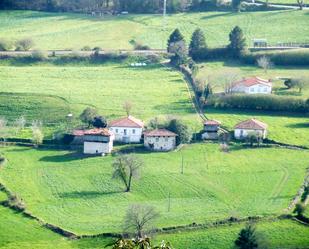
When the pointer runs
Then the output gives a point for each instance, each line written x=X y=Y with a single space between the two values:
x=198 y=46
x=259 y=102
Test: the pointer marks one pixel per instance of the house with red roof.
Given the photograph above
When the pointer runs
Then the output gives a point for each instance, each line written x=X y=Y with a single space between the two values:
x=251 y=126
x=96 y=141
x=160 y=140
x=127 y=129
x=252 y=85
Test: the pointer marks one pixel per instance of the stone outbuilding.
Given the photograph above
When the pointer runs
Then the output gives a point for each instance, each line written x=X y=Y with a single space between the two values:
x=211 y=128
x=160 y=140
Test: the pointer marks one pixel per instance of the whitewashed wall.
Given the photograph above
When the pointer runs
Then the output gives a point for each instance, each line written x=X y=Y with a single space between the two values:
x=132 y=135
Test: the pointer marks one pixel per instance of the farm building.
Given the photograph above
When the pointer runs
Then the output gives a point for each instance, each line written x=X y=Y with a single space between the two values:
x=252 y=85
x=211 y=128
x=250 y=126
x=127 y=130
x=96 y=141
x=160 y=140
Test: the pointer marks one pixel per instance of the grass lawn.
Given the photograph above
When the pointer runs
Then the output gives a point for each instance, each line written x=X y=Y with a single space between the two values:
x=79 y=195
x=49 y=92
x=67 y=31
x=278 y=234
x=215 y=71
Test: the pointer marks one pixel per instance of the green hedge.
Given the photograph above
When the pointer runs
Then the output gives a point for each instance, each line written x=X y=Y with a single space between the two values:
x=280 y=58
x=259 y=102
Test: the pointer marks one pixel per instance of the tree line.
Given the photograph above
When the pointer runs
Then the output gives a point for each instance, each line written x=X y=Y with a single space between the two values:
x=114 y=6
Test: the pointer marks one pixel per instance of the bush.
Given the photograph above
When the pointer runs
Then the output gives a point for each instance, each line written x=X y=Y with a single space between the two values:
x=16 y=203
x=5 y=45
x=24 y=44
x=182 y=130
x=2 y=159
x=259 y=102
x=139 y=46
x=39 y=55
x=86 y=48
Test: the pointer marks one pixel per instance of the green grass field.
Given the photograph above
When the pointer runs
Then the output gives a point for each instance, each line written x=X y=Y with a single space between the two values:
x=79 y=195
x=73 y=31
x=47 y=92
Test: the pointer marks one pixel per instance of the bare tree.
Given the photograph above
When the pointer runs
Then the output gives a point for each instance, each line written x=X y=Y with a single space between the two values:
x=37 y=134
x=20 y=123
x=126 y=167
x=228 y=78
x=300 y=4
x=139 y=218
x=264 y=62
x=127 y=106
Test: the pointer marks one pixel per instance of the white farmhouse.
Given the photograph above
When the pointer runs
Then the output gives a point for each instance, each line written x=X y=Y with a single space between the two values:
x=250 y=126
x=252 y=85
x=160 y=140
x=96 y=141
x=127 y=130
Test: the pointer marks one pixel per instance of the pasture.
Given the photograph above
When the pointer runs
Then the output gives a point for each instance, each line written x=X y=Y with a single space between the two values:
x=74 y=31
x=48 y=92
x=78 y=194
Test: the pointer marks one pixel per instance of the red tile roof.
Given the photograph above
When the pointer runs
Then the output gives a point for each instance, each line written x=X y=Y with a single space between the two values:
x=251 y=124
x=97 y=131
x=159 y=133
x=252 y=81
x=212 y=122
x=127 y=122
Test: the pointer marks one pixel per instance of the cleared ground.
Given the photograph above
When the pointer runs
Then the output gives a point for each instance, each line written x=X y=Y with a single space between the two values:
x=79 y=195
x=73 y=31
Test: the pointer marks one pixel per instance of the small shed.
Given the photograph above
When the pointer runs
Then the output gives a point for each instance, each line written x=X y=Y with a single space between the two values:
x=211 y=128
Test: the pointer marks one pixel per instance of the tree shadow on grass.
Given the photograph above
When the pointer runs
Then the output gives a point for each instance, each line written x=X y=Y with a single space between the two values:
x=281 y=197
x=87 y=194
x=298 y=125
x=64 y=158
x=218 y=15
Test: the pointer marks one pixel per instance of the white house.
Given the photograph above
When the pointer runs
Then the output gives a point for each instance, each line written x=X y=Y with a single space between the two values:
x=127 y=130
x=160 y=140
x=96 y=141
x=252 y=85
x=247 y=127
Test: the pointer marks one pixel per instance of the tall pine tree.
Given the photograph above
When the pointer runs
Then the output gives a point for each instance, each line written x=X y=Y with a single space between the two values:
x=197 y=48
x=247 y=238
x=237 y=42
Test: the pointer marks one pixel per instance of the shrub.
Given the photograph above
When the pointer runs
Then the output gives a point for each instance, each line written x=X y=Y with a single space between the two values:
x=139 y=46
x=39 y=55
x=86 y=48
x=99 y=122
x=2 y=159
x=182 y=130
x=16 y=203
x=259 y=102
x=5 y=45
x=24 y=44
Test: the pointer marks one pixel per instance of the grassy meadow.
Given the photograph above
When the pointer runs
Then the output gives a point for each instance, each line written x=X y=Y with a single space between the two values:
x=73 y=31
x=48 y=92
x=78 y=194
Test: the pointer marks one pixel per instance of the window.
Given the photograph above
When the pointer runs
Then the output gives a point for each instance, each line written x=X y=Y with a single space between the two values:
x=166 y=139
x=133 y=131
x=125 y=131
x=157 y=139
x=252 y=89
x=116 y=130
x=265 y=89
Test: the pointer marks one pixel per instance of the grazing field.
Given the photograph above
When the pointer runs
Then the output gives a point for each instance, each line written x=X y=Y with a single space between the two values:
x=216 y=71
x=74 y=31
x=278 y=234
x=78 y=194
x=49 y=92
x=284 y=128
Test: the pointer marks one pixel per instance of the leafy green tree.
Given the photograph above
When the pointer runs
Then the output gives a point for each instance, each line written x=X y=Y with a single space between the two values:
x=247 y=238
x=175 y=37
x=126 y=168
x=182 y=130
x=88 y=115
x=198 y=44
x=237 y=42
x=180 y=56
x=99 y=122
